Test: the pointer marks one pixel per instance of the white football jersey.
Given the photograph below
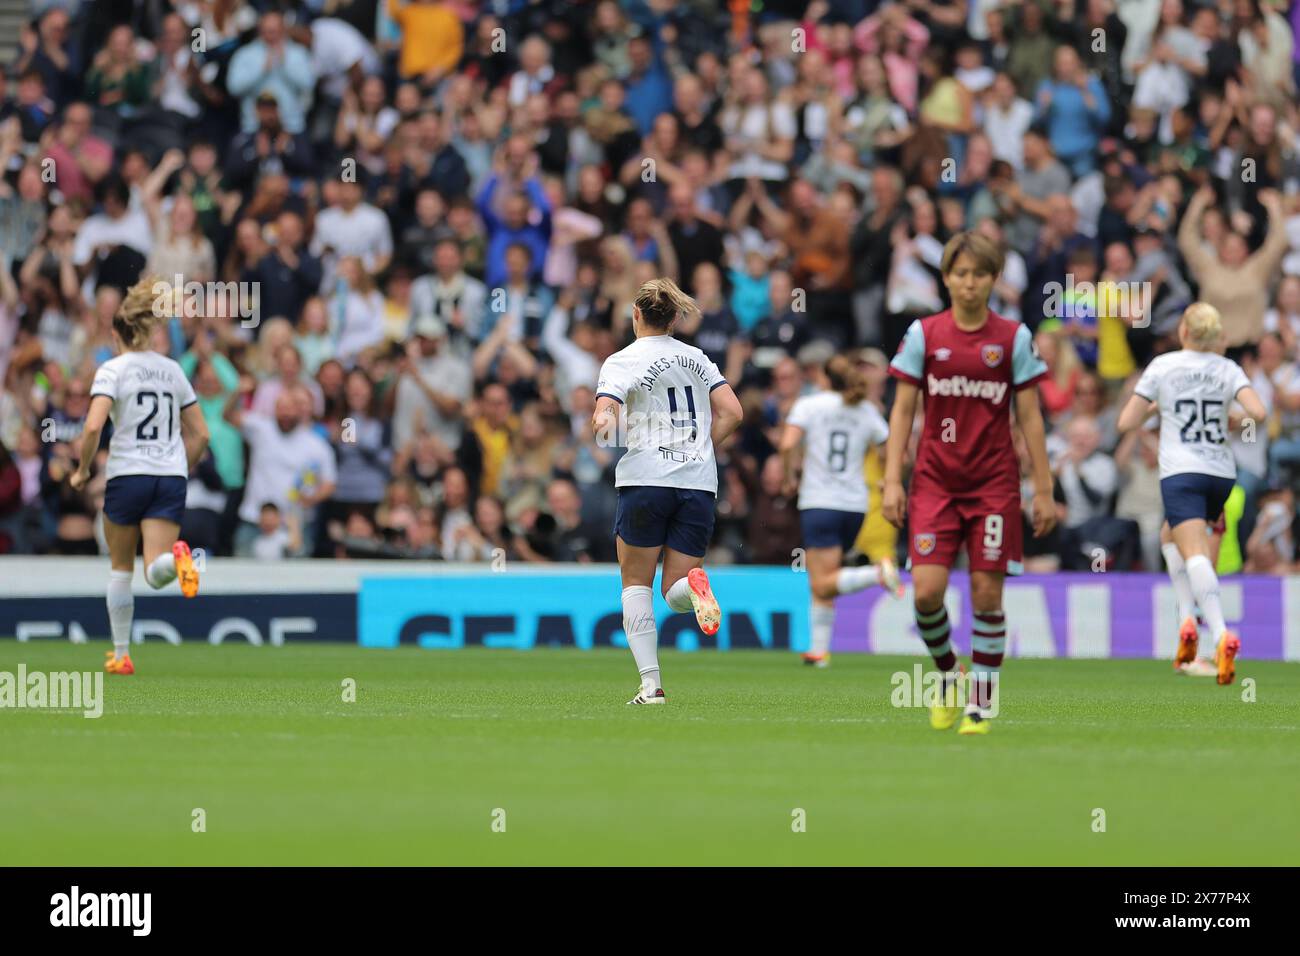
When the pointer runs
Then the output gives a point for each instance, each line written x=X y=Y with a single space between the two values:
x=1194 y=391
x=836 y=439
x=663 y=386
x=148 y=392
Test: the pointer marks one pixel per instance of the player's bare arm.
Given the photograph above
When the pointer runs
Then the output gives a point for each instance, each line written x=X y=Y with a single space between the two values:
x=893 y=503
x=1136 y=411
x=604 y=419
x=194 y=432
x=1030 y=416
x=727 y=413
x=100 y=406
x=791 y=440
x=1249 y=399
x=234 y=410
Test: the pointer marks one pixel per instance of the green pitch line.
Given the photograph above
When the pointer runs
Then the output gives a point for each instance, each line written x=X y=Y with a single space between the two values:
x=286 y=772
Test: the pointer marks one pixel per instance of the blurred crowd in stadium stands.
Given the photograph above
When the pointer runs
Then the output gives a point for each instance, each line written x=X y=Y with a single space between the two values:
x=438 y=214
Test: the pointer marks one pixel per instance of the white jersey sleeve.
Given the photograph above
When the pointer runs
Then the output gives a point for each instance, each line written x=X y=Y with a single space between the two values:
x=105 y=382
x=1238 y=379
x=149 y=391
x=880 y=435
x=1148 y=385
x=800 y=414
x=614 y=380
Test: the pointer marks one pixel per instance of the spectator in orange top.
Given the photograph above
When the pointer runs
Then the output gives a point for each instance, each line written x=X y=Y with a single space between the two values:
x=496 y=427
x=433 y=39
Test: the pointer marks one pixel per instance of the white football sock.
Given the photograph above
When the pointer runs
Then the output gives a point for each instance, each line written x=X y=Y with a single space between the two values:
x=1205 y=586
x=823 y=622
x=121 y=608
x=639 y=626
x=161 y=571
x=1178 y=577
x=679 y=596
x=856 y=579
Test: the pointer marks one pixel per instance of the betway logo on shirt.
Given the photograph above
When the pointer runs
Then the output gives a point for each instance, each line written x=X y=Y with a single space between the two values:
x=962 y=386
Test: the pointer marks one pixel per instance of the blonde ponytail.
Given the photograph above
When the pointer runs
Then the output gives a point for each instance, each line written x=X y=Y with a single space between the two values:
x=661 y=301
x=145 y=304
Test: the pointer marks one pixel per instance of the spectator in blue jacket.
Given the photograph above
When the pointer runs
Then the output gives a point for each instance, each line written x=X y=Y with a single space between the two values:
x=272 y=63
x=1073 y=106
x=519 y=215
x=649 y=90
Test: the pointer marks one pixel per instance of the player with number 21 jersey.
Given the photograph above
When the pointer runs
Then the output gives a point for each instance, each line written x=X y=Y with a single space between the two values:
x=159 y=434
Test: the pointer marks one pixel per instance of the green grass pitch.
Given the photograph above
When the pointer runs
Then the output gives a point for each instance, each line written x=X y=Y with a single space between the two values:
x=413 y=771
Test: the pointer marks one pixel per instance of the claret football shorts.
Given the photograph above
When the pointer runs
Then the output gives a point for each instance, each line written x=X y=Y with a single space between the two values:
x=988 y=526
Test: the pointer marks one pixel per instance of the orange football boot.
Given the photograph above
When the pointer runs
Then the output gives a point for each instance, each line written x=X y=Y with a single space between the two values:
x=707 y=611
x=1225 y=657
x=118 y=665
x=186 y=573
x=1187 y=639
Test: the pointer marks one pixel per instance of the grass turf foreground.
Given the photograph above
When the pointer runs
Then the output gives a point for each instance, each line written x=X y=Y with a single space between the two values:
x=416 y=770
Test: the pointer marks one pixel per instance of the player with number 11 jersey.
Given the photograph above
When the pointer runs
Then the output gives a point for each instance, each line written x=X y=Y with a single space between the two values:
x=669 y=405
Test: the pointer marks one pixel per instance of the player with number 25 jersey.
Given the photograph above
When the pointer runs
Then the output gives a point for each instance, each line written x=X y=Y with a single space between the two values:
x=1192 y=388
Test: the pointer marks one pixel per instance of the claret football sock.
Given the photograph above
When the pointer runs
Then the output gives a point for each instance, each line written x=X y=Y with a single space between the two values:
x=935 y=630
x=988 y=645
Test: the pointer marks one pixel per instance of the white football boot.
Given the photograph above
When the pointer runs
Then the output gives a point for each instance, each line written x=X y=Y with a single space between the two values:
x=889 y=579
x=648 y=694
x=1199 y=667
